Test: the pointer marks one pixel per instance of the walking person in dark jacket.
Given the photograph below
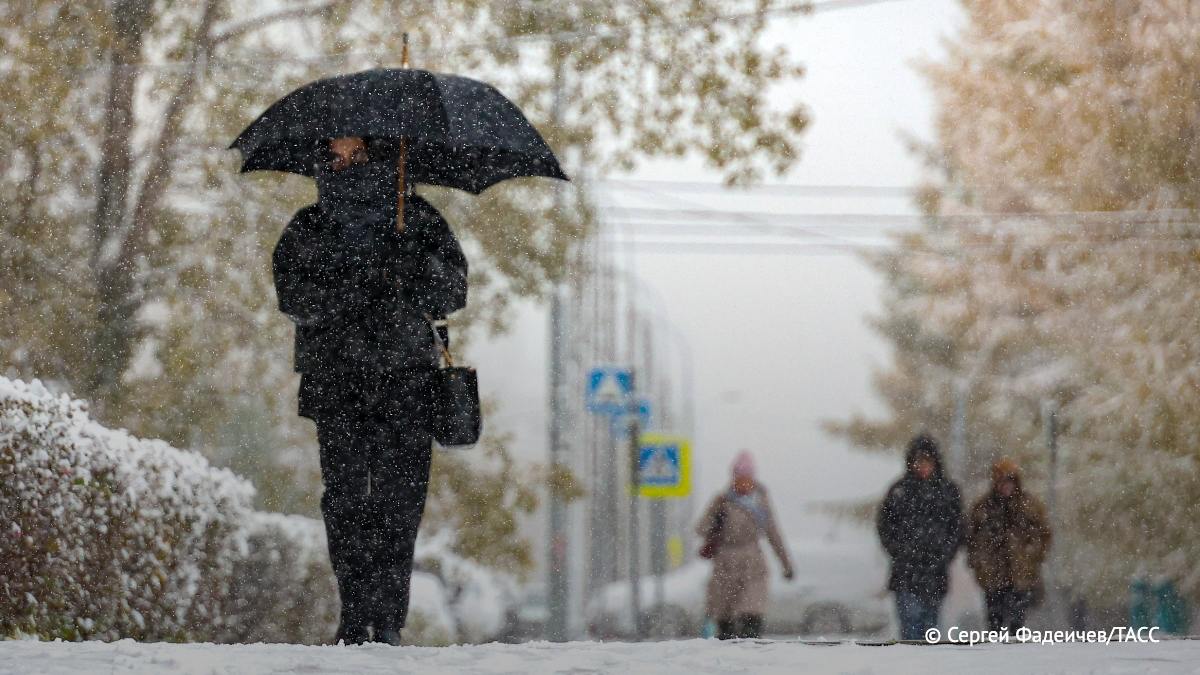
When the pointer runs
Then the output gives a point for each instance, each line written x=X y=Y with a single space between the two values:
x=920 y=526
x=1008 y=535
x=364 y=289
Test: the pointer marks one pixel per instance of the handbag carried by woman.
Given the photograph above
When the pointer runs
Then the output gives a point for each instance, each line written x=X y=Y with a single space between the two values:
x=457 y=418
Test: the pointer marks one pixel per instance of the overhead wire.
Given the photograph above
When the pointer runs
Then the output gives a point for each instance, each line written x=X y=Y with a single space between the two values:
x=780 y=189
x=750 y=220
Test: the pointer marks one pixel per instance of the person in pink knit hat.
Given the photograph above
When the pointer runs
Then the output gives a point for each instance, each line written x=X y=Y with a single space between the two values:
x=732 y=526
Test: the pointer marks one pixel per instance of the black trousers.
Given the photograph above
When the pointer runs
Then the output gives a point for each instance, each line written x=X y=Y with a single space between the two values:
x=1006 y=608
x=375 y=466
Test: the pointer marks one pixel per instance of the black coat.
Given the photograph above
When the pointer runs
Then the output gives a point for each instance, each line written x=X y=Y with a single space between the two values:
x=920 y=525
x=359 y=305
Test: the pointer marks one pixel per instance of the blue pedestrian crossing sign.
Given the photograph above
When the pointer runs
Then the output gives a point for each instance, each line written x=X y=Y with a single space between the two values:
x=664 y=466
x=608 y=390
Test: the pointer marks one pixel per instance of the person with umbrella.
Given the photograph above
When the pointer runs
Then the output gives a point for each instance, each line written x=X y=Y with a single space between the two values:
x=365 y=274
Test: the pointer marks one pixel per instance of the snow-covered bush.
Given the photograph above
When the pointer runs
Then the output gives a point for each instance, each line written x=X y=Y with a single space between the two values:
x=478 y=597
x=283 y=587
x=284 y=590
x=431 y=621
x=106 y=536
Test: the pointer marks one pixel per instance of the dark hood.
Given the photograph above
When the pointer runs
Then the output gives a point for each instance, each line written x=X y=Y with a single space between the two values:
x=923 y=446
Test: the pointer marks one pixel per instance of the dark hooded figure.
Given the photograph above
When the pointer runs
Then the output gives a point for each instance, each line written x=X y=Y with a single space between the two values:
x=920 y=526
x=363 y=294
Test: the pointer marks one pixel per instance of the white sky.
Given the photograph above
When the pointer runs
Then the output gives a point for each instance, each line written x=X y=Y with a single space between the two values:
x=780 y=341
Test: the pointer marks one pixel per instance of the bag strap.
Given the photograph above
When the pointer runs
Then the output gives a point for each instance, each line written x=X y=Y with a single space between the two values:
x=437 y=336
x=718 y=523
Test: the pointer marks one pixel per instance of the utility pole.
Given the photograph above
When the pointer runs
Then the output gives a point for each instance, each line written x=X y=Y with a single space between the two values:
x=635 y=479
x=1050 y=425
x=557 y=583
x=595 y=575
x=658 y=512
x=611 y=502
x=958 y=432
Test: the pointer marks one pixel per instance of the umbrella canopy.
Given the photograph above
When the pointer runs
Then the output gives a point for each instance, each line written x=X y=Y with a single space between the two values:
x=461 y=133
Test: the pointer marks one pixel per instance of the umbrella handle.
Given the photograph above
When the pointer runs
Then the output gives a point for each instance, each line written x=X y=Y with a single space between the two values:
x=401 y=161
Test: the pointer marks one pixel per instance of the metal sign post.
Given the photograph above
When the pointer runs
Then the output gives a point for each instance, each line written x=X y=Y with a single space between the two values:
x=664 y=471
x=1054 y=596
x=635 y=581
x=608 y=394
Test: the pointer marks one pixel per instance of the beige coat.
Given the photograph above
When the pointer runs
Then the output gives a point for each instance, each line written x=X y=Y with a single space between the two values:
x=740 y=581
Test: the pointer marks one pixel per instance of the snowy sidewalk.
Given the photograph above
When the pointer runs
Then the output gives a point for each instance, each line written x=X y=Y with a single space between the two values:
x=693 y=657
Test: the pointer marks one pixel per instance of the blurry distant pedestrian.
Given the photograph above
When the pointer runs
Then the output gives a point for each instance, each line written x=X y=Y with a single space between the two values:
x=920 y=526
x=732 y=525
x=1007 y=539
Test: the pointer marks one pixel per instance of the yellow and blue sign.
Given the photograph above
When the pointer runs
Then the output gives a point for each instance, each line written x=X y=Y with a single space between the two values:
x=664 y=466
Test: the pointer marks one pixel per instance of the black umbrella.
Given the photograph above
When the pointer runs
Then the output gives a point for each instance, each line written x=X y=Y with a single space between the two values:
x=458 y=132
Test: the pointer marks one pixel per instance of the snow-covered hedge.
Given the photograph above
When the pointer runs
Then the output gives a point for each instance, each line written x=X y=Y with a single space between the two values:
x=105 y=536
x=478 y=597
x=282 y=588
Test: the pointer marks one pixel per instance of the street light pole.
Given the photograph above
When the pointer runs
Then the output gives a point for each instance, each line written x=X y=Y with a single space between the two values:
x=557 y=583
x=658 y=515
x=958 y=432
x=1050 y=426
x=635 y=479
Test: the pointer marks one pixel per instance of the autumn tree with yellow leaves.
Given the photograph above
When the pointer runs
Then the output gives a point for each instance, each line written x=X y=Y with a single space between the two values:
x=1060 y=265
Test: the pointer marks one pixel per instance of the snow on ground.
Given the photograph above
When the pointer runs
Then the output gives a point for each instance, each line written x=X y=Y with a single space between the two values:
x=694 y=657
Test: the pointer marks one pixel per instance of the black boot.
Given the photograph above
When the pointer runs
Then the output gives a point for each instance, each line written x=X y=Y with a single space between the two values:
x=751 y=626
x=386 y=624
x=352 y=634
x=353 y=628
x=387 y=636
x=725 y=629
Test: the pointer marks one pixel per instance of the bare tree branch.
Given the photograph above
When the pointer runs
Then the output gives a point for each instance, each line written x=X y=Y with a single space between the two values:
x=29 y=195
x=163 y=151
x=250 y=25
